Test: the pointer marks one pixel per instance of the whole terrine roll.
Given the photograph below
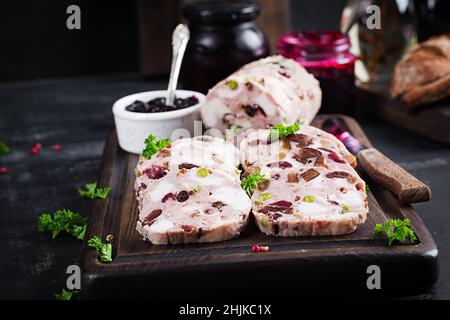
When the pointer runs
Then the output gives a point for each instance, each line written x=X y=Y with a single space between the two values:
x=263 y=93
x=194 y=205
x=312 y=188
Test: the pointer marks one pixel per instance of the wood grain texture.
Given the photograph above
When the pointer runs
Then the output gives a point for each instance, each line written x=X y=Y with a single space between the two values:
x=393 y=177
x=301 y=265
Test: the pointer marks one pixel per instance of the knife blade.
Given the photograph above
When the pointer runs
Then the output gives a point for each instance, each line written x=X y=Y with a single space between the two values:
x=380 y=168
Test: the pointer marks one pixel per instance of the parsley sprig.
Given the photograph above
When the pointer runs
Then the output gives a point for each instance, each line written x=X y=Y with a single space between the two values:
x=63 y=220
x=152 y=146
x=396 y=230
x=250 y=182
x=92 y=192
x=66 y=294
x=104 y=249
x=281 y=131
x=4 y=149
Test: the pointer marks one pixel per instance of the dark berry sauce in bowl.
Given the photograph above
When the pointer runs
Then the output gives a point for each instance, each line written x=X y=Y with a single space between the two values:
x=159 y=105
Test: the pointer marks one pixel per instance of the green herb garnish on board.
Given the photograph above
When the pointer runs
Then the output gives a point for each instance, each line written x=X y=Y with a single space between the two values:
x=104 y=249
x=281 y=131
x=4 y=149
x=152 y=146
x=250 y=183
x=92 y=192
x=367 y=188
x=66 y=294
x=63 y=220
x=396 y=230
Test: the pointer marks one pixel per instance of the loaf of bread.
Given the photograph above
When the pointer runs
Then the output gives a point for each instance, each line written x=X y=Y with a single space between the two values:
x=422 y=76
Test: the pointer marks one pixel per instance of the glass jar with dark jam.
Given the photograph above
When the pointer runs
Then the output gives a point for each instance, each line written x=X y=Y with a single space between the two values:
x=224 y=37
x=327 y=56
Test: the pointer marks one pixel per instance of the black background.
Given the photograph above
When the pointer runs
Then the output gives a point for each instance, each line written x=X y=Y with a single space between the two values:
x=75 y=112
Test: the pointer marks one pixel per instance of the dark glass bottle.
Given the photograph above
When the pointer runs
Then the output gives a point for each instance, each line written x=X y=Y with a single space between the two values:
x=327 y=56
x=224 y=37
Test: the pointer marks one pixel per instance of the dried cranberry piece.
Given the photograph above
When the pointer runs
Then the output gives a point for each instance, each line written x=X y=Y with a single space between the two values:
x=143 y=186
x=284 y=74
x=276 y=176
x=334 y=157
x=182 y=196
x=155 y=172
x=148 y=220
x=307 y=153
x=281 y=203
x=168 y=196
x=301 y=139
x=337 y=174
x=280 y=164
x=186 y=165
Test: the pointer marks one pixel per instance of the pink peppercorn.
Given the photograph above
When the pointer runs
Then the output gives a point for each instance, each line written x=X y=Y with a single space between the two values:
x=258 y=248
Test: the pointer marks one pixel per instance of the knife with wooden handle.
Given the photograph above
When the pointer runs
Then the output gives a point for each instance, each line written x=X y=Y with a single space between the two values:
x=380 y=168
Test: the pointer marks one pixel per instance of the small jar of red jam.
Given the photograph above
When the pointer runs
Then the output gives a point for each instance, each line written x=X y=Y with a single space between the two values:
x=224 y=37
x=327 y=56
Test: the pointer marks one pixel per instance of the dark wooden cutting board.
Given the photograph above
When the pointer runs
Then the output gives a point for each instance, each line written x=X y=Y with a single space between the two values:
x=299 y=265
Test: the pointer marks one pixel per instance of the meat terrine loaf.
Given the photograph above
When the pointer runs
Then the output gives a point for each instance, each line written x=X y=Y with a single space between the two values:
x=312 y=190
x=194 y=205
x=186 y=153
x=263 y=93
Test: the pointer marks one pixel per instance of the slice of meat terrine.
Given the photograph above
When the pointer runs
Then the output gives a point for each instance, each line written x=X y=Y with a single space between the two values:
x=313 y=189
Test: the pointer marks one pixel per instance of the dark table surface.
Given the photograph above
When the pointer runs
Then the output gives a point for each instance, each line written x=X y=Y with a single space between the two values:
x=77 y=114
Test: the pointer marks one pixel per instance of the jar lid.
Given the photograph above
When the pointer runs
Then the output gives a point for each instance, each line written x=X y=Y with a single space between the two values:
x=221 y=11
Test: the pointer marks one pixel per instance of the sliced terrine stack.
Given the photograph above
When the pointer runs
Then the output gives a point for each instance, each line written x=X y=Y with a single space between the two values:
x=190 y=192
x=261 y=94
x=307 y=186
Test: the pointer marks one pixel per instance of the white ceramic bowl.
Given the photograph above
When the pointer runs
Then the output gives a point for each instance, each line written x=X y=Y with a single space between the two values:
x=134 y=127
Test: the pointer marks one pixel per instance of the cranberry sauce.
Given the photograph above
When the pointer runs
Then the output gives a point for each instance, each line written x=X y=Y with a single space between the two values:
x=159 y=105
x=327 y=56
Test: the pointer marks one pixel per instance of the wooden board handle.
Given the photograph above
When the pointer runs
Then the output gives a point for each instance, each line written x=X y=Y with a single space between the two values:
x=392 y=177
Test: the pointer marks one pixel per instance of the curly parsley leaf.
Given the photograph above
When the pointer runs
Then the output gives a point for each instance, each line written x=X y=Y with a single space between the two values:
x=63 y=220
x=66 y=294
x=104 y=249
x=250 y=182
x=4 y=149
x=152 y=146
x=281 y=131
x=396 y=230
x=92 y=192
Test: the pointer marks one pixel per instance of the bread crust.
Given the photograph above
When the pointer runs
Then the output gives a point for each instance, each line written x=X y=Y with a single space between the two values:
x=422 y=76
